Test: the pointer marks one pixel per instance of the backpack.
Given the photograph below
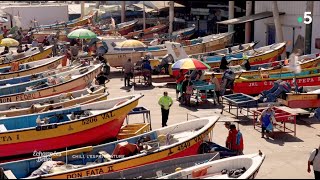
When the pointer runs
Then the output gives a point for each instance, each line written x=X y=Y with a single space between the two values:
x=239 y=138
x=314 y=156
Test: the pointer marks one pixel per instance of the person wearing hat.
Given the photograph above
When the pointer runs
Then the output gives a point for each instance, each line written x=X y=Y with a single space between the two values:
x=266 y=121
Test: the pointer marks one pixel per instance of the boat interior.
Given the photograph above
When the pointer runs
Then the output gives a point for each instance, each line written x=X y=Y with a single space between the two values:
x=110 y=153
x=50 y=81
x=222 y=169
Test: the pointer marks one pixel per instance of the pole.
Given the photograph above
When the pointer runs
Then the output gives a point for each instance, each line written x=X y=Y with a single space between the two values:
x=82 y=9
x=308 y=33
x=97 y=4
x=171 y=16
x=123 y=11
x=279 y=33
x=144 y=16
x=231 y=15
x=248 y=24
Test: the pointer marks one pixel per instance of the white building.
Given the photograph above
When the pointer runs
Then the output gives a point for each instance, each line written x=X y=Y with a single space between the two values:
x=264 y=30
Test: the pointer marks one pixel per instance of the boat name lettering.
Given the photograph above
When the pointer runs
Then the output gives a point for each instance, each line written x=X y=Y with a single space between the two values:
x=252 y=84
x=108 y=115
x=5 y=100
x=199 y=138
x=90 y=172
x=184 y=146
x=5 y=138
x=89 y=120
x=23 y=97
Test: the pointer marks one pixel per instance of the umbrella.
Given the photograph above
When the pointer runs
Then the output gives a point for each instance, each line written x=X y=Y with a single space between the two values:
x=131 y=44
x=190 y=64
x=9 y=42
x=82 y=34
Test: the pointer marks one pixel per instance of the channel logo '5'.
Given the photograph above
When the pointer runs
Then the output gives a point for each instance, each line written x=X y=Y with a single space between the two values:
x=307 y=18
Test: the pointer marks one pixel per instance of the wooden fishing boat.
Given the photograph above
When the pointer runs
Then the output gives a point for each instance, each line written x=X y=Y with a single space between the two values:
x=310 y=98
x=158 y=169
x=33 y=54
x=40 y=35
x=122 y=28
x=182 y=139
x=86 y=124
x=84 y=96
x=265 y=54
x=305 y=61
x=149 y=32
x=200 y=45
x=183 y=33
x=214 y=170
x=16 y=69
x=88 y=19
x=72 y=80
x=256 y=84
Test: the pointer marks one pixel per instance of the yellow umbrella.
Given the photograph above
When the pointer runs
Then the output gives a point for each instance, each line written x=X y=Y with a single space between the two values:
x=131 y=44
x=9 y=42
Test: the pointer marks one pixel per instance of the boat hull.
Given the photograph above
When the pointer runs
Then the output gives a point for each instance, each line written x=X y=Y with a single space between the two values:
x=303 y=100
x=256 y=87
x=148 y=33
x=34 y=57
x=189 y=147
x=118 y=59
x=76 y=84
x=41 y=35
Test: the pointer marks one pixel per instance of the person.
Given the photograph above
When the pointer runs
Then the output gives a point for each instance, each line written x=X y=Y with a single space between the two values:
x=186 y=90
x=314 y=160
x=179 y=80
x=146 y=70
x=227 y=125
x=26 y=47
x=246 y=62
x=5 y=51
x=128 y=72
x=46 y=41
x=101 y=58
x=5 y=31
x=266 y=118
x=101 y=79
x=74 y=51
x=217 y=87
x=1 y=30
x=212 y=23
x=165 y=102
x=19 y=50
x=235 y=140
x=34 y=43
x=224 y=63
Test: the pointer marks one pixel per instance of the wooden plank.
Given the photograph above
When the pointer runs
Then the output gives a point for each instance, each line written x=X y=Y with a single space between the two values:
x=297 y=111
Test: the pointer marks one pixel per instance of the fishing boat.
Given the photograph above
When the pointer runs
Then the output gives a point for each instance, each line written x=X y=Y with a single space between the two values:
x=33 y=54
x=238 y=167
x=256 y=84
x=40 y=35
x=149 y=32
x=16 y=69
x=88 y=19
x=80 y=125
x=158 y=169
x=122 y=28
x=179 y=140
x=305 y=61
x=72 y=80
x=309 y=98
x=265 y=54
x=64 y=100
x=200 y=45
x=183 y=33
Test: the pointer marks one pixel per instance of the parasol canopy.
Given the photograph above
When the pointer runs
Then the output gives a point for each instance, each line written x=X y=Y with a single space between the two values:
x=190 y=64
x=9 y=42
x=131 y=44
x=82 y=34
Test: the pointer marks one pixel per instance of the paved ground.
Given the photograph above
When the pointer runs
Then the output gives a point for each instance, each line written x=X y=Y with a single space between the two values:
x=286 y=157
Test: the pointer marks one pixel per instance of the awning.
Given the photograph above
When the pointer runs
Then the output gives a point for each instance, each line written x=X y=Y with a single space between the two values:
x=250 y=18
x=159 y=5
x=146 y=8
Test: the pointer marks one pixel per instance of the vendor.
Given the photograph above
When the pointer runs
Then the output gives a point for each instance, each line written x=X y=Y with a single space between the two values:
x=186 y=90
x=146 y=70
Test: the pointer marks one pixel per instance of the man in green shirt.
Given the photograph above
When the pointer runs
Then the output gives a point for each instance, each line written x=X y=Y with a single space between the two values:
x=165 y=102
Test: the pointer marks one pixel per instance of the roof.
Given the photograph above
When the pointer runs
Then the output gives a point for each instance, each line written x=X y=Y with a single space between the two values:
x=158 y=5
x=146 y=8
x=250 y=18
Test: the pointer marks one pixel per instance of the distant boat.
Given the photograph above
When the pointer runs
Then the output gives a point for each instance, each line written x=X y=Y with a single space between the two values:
x=122 y=28
x=149 y=32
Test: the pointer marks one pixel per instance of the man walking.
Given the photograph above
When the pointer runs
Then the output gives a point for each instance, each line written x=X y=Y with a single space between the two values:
x=165 y=102
x=314 y=160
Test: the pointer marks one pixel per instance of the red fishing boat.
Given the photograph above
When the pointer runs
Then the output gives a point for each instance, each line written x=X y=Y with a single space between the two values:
x=122 y=28
x=256 y=84
x=309 y=98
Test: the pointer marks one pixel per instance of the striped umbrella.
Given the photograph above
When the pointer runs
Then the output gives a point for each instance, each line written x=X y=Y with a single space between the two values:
x=190 y=64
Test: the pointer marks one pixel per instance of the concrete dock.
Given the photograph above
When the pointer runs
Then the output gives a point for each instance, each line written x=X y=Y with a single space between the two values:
x=286 y=156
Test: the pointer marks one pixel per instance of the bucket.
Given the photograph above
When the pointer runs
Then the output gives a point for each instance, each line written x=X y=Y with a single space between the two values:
x=203 y=96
